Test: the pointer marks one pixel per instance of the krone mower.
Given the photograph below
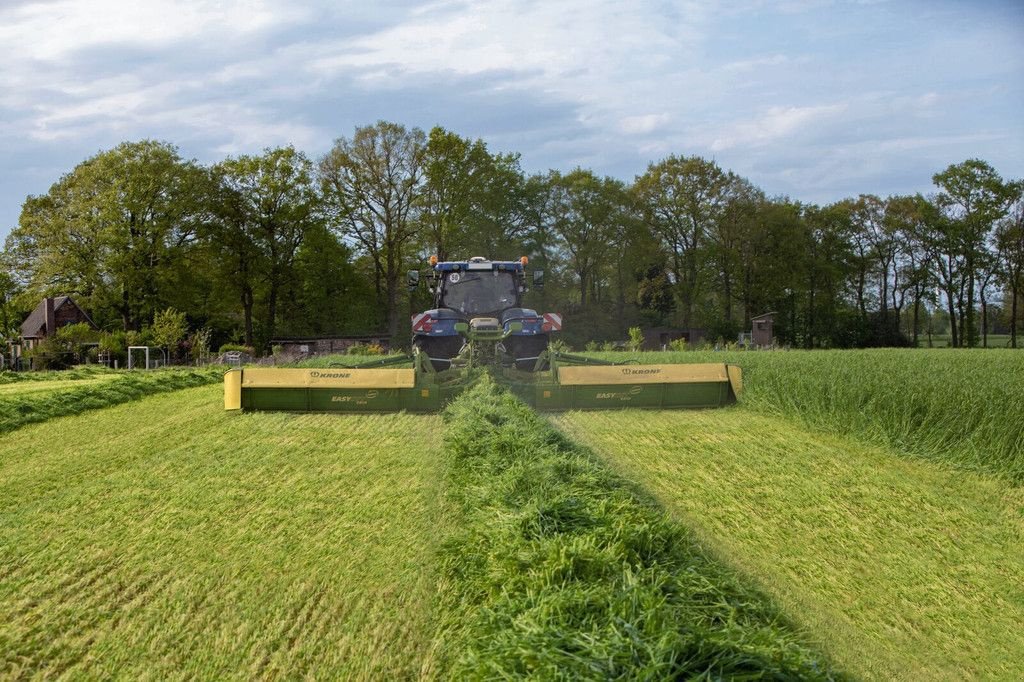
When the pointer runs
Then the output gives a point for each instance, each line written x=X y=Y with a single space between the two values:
x=478 y=322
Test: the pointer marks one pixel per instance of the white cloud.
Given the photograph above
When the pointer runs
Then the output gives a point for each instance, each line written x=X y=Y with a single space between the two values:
x=51 y=31
x=646 y=123
x=773 y=124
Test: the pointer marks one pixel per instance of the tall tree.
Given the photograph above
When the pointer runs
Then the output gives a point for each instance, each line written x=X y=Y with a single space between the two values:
x=973 y=195
x=590 y=212
x=1010 y=245
x=279 y=204
x=371 y=185
x=114 y=228
x=681 y=199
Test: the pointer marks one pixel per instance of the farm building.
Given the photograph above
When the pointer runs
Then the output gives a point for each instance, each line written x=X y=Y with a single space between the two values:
x=658 y=338
x=762 y=333
x=323 y=345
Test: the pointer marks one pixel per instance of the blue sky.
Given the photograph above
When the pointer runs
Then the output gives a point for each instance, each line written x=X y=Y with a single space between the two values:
x=814 y=99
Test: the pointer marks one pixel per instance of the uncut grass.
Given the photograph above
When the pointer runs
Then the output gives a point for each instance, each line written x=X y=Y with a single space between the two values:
x=963 y=407
x=558 y=569
x=35 y=401
x=168 y=539
x=901 y=569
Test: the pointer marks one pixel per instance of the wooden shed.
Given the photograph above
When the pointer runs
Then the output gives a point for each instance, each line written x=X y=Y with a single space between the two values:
x=762 y=333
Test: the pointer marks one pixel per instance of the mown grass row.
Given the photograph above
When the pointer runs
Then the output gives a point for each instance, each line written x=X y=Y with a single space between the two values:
x=964 y=407
x=559 y=569
x=76 y=396
x=78 y=372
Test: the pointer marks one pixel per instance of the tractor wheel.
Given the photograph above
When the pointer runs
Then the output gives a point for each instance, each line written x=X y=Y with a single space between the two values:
x=525 y=350
x=440 y=349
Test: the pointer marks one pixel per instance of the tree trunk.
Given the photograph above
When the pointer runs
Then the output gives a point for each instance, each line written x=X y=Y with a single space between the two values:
x=1013 y=317
x=953 y=339
x=247 y=304
x=984 y=320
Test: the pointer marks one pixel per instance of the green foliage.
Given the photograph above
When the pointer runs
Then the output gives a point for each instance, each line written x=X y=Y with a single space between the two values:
x=236 y=347
x=372 y=349
x=169 y=328
x=557 y=568
x=199 y=345
x=591 y=346
x=558 y=346
x=636 y=339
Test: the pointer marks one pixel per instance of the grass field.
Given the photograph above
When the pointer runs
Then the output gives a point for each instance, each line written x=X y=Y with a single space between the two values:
x=961 y=407
x=857 y=509
x=21 y=388
x=903 y=567
x=52 y=394
x=166 y=538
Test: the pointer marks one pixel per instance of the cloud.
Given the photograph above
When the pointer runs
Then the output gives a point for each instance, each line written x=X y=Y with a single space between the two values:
x=774 y=124
x=646 y=123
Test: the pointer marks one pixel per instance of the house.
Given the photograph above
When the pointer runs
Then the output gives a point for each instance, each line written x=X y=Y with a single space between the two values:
x=52 y=313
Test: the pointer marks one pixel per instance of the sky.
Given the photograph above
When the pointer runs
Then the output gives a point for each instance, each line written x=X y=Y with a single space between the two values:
x=817 y=100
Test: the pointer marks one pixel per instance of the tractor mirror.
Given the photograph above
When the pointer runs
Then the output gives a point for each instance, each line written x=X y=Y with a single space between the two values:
x=538 y=279
x=413 y=279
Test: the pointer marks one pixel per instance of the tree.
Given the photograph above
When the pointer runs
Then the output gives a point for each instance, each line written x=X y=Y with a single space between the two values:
x=973 y=197
x=1010 y=244
x=371 y=184
x=113 y=229
x=169 y=328
x=681 y=199
x=271 y=201
x=588 y=215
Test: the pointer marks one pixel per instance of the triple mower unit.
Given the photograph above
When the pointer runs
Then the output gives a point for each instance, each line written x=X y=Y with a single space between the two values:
x=478 y=322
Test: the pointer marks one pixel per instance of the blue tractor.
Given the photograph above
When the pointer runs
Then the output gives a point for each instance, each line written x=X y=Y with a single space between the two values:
x=478 y=311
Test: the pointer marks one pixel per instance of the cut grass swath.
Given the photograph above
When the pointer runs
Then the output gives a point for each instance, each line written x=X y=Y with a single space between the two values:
x=901 y=568
x=560 y=569
x=28 y=402
x=166 y=538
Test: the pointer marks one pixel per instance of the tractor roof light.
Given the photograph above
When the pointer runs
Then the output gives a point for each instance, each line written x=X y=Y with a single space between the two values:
x=524 y=260
x=433 y=261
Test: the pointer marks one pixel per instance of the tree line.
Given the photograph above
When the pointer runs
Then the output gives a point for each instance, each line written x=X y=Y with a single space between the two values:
x=277 y=244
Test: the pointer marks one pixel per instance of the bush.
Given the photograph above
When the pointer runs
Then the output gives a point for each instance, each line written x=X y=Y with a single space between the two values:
x=236 y=347
x=677 y=344
x=636 y=339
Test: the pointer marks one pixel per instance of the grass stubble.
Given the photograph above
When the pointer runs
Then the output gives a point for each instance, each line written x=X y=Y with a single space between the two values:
x=169 y=539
